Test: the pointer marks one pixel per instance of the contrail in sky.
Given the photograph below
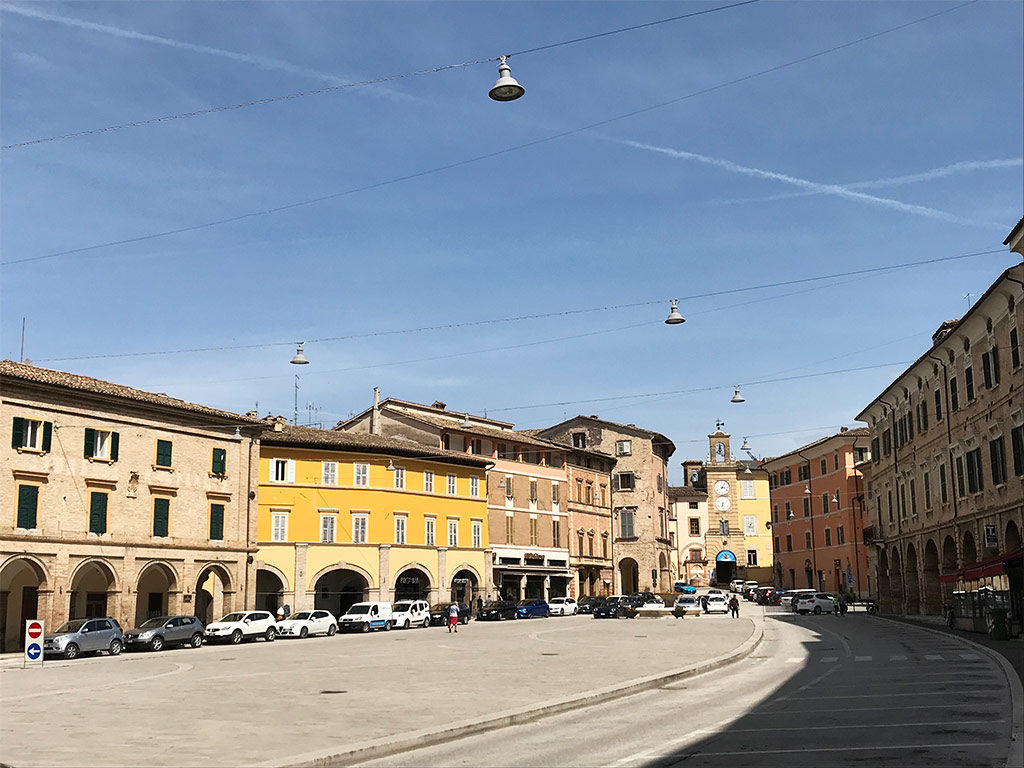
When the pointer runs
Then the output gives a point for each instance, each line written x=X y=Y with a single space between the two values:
x=811 y=186
x=259 y=61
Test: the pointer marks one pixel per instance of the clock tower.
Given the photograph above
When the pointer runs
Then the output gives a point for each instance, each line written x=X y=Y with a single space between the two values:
x=725 y=542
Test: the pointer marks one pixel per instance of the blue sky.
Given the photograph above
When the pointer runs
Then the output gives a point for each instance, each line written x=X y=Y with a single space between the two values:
x=618 y=182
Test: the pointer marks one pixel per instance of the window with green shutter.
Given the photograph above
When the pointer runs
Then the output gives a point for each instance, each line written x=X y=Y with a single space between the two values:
x=220 y=456
x=163 y=453
x=28 y=504
x=161 y=516
x=97 y=512
x=216 y=522
x=31 y=434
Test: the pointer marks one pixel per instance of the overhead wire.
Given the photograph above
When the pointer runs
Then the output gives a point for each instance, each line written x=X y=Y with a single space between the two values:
x=484 y=156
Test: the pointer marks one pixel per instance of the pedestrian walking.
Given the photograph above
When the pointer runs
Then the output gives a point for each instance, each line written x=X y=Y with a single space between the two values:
x=453 y=617
x=734 y=607
x=835 y=605
x=479 y=604
x=843 y=605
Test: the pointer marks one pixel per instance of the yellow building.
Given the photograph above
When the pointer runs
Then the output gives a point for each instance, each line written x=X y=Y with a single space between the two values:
x=345 y=517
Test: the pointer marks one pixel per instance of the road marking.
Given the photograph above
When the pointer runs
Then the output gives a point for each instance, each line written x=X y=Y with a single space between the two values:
x=862 y=658
x=829 y=659
x=897 y=658
x=932 y=657
x=875 y=696
x=845 y=727
x=969 y=656
x=794 y=660
x=177 y=668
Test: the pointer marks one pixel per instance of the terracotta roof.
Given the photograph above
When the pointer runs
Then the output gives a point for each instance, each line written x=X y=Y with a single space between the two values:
x=74 y=381
x=630 y=427
x=685 y=492
x=329 y=438
x=855 y=432
x=506 y=435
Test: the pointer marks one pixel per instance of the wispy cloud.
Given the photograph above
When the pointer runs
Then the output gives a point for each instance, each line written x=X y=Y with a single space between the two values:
x=262 y=62
x=835 y=190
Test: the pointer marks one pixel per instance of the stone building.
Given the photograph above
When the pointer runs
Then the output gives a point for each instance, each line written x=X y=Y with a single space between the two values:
x=687 y=527
x=945 y=495
x=817 y=497
x=641 y=547
x=122 y=503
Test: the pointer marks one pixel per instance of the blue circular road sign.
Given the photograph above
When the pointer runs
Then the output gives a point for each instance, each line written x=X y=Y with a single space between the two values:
x=33 y=651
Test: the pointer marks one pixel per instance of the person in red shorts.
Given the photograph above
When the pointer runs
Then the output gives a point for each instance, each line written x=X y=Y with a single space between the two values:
x=453 y=617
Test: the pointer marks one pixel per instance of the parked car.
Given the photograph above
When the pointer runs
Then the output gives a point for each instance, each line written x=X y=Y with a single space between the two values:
x=163 y=631
x=793 y=595
x=688 y=589
x=736 y=585
x=531 y=608
x=814 y=602
x=410 y=613
x=589 y=603
x=776 y=597
x=748 y=589
x=84 y=636
x=496 y=610
x=647 y=598
x=716 y=604
x=242 y=625
x=306 y=623
x=362 y=617
x=762 y=595
x=686 y=605
x=562 y=606
x=608 y=608
x=439 y=614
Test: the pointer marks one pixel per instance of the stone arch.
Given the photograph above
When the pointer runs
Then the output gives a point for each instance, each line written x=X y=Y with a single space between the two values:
x=338 y=587
x=912 y=580
x=970 y=549
x=92 y=583
x=285 y=581
x=1011 y=538
x=413 y=582
x=23 y=578
x=213 y=587
x=156 y=591
x=465 y=585
x=897 y=584
x=932 y=604
x=270 y=588
x=32 y=562
x=629 y=576
x=884 y=582
x=345 y=566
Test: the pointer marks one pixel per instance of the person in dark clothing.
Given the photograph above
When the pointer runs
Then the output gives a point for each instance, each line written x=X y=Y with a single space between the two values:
x=734 y=607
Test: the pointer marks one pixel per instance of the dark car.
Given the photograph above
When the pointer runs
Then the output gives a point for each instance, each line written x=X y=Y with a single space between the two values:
x=607 y=609
x=496 y=610
x=589 y=603
x=439 y=614
x=163 y=632
x=763 y=594
x=531 y=608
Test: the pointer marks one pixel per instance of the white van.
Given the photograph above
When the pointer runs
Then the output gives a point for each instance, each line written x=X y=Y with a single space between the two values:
x=736 y=585
x=410 y=613
x=362 y=617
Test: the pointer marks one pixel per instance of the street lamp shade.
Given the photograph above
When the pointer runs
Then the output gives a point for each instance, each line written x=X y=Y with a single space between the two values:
x=300 y=358
x=238 y=433
x=737 y=397
x=506 y=89
x=807 y=489
x=466 y=423
x=674 y=318
x=391 y=466
x=745 y=446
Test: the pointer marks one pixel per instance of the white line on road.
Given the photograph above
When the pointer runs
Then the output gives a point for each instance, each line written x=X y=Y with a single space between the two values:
x=969 y=656
x=932 y=657
x=829 y=659
x=862 y=658
x=177 y=668
x=897 y=658
x=796 y=711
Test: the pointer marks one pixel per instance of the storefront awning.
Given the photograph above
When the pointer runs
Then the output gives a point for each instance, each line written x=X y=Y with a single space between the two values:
x=992 y=566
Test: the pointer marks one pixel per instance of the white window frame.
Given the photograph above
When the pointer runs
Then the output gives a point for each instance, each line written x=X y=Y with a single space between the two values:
x=360 y=527
x=474 y=486
x=752 y=558
x=328 y=473
x=361 y=475
x=401 y=528
x=101 y=447
x=279 y=525
x=453 y=532
x=428 y=480
x=32 y=436
x=478 y=534
x=289 y=470
x=747 y=489
x=400 y=478
x=452 y=484
x=623 y=447
x=329 y=519
x=430 y=531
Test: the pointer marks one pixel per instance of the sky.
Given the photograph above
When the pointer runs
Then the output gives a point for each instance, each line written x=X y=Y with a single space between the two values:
x=768 y=164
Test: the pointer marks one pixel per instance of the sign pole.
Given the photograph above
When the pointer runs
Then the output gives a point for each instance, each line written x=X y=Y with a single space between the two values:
x=34 y=631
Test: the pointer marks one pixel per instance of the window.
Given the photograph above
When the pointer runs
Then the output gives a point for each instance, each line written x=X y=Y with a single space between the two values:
x=216 y=522
x=579 y=543
x=555 y=494
x=691 y=505
x=938 y=405
x=752 y=557
x=101 y=444
x=279 y=528
x=590 y=544
x=828 y=537
x=961 y=486
x=509 y=528
x=887 y=442
x=556 y=532
x=775 y=513
x=428 y=481
x=954 y=394
x=477 y=446
x=943 y=492
x=776 y=548
x=453 y=533
x=1014 y=349
x=579 y=490
x=807 y=539
x=328 y=473
x=622 y=447
x=625 y=481
x=927 y=490
x=533 y=530
x=824 y=503
x=695 y=526
x=360 y=524
x=661 y=484
x=604 y=545
x=451 y=485
x=400 y=521
x=506 y=451
x=428 y=532
x=28 y=434
x=400 y=478
x=723 y=527
x=903 y=501
x=1017 y=444
x=579 y=439
x=975 y=481
x=361 y=474
x=889 y=497
x=990 y=367
x=474 y=486
x=328 y=527
x=163 y=453
x=840 y=536
x=824 y=467
x=789 y=542
x=478 y=534
x=803 y=472
x=997 y=459
x=161 y=517
x=626 y=524
x=604 y=495
x=282 y=471
x=28 y=505
x=533 y=492
x=662 y=524
x=97 y=512
x=747 y=489
x=969 y=382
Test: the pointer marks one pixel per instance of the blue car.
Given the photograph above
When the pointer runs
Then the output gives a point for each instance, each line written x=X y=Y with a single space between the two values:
x=688 y=590
x=530 y=609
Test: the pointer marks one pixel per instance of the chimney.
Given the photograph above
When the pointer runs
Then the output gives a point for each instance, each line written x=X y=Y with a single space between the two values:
x=944 y=330
x=375 y=413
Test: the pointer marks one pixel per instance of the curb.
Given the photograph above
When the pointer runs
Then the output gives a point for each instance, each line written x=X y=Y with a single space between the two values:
x=1015 y=755
x=388 y=745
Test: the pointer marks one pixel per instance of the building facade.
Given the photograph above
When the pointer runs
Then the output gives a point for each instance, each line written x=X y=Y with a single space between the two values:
x=817 y=499
x=121 y=503
x=588 y=480
x=687 y=527
x=345 y=517
x=945 y=495
x=641 y=546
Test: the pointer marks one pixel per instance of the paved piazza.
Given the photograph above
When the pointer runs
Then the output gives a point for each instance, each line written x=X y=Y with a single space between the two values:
x=291 y=700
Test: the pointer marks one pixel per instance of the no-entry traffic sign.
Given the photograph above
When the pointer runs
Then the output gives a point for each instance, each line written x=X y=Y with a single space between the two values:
x=34 y=629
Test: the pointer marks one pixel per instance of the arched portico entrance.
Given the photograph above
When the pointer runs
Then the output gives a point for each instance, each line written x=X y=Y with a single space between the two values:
x=725 y=567
x=157 y=581
x=338 y=589
x=92 y=585
x=1012 y=537
x=269 y=590
x=465 y=587
x=213 y=587
x=884 y=582
x=664 y=574
x=970 y=549
x=948 y=567
x=412 y=584
x=22 y=579
x=912 y=581
x=897 y=586
x=932 y=588
x=629 y=576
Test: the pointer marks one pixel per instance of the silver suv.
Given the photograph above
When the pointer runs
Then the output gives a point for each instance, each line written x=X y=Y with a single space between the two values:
x=162 y=631
x=84 y=636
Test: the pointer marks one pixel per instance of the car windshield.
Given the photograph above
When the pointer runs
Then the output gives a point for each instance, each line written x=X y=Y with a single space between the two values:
x=233 y=617
x=402 y=607
x=524 y=603
x=71 y=626
x=492 y=605
x=440 y=606
x=302 y=615
x=359 y=609
x=156 y=621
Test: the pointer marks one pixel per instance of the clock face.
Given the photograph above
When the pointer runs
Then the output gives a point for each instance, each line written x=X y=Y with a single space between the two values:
x=722 y=487
x=722 y=504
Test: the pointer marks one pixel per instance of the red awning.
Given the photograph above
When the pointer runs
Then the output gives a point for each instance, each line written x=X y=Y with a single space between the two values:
x=992 y=566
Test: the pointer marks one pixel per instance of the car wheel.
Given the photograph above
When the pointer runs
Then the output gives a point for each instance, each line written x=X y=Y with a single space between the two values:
x=236 y=636
x=464 y=620
x=303 y=633
x=331 y=630
x=407 y=624
x=156 y=644
x=269 y=635
x=366 y=627
x=817 y=610
x=575 y=611
x=115 y=647
x=197 y=640
x=426 y=623
x=71 y=651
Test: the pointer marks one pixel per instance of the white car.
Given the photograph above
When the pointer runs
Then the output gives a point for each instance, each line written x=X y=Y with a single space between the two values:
x=410 y=613
x=306 y=623
x=363 y=617
x=736 y=585
x=814 y=602
x=242 y=625
x=791 y=597
x=562 y=606
x=686 y=605
x=716 y=604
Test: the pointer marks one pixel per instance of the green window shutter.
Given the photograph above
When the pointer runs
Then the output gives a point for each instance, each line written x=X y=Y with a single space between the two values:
x=47 y=435
x=163 y=453
x=18 y=433
x=161 y=516
x=98 y=513
x=28 y=503
x=114 y=440
x=219 y=461
x=217 y=522
x=90 y=443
